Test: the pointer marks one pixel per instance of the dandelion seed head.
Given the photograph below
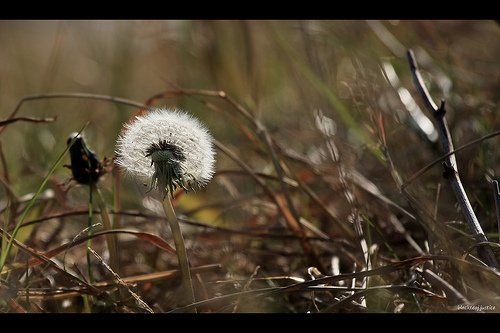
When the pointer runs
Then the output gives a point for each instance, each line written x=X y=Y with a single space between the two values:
x=167 y=148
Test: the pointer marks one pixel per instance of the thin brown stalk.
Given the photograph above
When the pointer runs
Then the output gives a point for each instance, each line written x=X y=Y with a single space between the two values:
x=70 y=95
x=28 y=119
x=120 y=280
x=110 y=239
x=284 y=188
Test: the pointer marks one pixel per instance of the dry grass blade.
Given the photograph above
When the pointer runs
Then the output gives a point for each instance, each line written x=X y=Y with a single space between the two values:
x=245 y=288
x=452 y=294
x=63 y=293
x=41 y=258
x=317 y=284
x=153 y=239
x=404 y=264
x=440 y=159
x=375 y=290
x=138 y=299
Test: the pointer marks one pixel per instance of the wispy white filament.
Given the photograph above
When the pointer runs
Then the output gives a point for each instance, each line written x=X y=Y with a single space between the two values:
x=178 y=129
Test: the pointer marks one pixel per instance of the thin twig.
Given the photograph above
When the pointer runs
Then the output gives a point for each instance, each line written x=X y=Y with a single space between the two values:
x=71 y=95
x=73 y=241
x=290 y=219
x=452 y=294
x=138 y=299
x=245 y=288
x=442 y=158
x=110 y=239
x=284 y=187
x=496 y=197
x=450 y=164
x=28 y=119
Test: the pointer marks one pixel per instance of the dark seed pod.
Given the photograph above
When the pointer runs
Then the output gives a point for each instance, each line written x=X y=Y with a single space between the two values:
x=85 y=165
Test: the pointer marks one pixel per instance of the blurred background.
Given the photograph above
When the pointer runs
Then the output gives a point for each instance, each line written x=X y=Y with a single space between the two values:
x=351 y=76
x=280 y=70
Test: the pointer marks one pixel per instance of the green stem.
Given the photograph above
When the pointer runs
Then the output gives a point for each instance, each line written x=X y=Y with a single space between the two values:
x=180 y=249
x=86 y=303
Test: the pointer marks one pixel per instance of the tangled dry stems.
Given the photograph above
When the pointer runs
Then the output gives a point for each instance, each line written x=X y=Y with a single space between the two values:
x=286 y=250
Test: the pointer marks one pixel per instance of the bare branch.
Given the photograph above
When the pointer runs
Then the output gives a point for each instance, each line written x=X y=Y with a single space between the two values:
x=496 y=196
x=450 y=164
x=28 y=119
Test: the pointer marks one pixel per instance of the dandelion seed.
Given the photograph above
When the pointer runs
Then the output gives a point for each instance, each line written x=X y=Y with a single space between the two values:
x=169 y=148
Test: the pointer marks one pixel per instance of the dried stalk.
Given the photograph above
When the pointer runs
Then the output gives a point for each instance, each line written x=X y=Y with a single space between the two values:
x=496 y=197
x=450 y=165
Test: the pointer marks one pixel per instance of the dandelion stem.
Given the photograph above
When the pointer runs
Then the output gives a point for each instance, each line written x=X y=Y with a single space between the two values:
x=180 y=249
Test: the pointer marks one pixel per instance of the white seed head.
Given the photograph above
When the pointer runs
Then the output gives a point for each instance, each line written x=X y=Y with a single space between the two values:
x=168 y=147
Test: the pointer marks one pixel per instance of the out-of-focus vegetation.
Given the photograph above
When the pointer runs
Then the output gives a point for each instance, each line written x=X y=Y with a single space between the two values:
x=346 y=126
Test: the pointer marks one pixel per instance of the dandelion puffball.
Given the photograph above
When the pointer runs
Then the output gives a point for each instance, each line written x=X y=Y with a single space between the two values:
x=169 y=148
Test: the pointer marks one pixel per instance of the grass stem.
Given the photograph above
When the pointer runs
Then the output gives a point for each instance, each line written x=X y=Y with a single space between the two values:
x=110 y=239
